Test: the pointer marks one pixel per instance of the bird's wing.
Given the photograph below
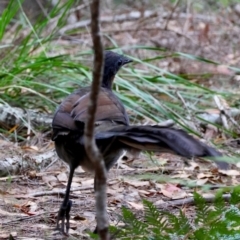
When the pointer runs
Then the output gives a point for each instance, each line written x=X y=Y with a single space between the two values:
x=109 y=108
x=72 y=113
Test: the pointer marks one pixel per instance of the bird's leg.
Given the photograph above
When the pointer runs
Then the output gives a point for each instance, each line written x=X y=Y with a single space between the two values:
x=64 y=211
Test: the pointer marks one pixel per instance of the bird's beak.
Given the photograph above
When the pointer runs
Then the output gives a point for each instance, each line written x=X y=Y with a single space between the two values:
x=126 y=60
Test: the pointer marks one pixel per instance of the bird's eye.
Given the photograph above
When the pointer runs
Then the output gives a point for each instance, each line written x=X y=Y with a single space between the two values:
x=119 y=63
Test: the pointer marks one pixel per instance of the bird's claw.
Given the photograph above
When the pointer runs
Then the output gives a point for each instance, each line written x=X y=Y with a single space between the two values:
x=64 y=214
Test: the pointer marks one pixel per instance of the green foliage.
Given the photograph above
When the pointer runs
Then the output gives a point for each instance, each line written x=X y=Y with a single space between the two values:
x=7 y=16
x=219 y=220
x=32 y=66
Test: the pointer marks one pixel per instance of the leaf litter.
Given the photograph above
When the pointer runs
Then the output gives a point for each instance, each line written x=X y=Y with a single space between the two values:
x=31 y=200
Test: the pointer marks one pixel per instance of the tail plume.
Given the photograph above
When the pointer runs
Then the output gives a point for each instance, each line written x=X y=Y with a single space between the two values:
x=161 y=139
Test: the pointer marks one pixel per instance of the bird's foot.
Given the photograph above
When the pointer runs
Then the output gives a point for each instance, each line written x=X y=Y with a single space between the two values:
x=95 y=230
x=64 y=214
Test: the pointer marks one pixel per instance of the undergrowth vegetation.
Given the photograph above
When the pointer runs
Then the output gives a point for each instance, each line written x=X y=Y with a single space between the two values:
x=211 y=222
x=40 y=66
x=35 y=65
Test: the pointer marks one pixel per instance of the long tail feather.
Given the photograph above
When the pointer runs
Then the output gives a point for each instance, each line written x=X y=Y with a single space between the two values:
x=161 y=139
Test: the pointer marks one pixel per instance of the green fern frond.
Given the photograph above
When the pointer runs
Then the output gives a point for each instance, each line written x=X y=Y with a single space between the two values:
x=219 y=220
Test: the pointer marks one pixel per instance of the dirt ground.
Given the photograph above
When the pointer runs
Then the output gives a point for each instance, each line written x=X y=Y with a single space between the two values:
x=30 y=199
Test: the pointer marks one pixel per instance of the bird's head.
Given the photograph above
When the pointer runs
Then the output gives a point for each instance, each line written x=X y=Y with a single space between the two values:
x=112 y=63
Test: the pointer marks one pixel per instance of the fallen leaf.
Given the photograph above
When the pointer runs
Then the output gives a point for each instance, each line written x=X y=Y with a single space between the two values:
x=204 y=175
x=6 y=235
x=62 y=177
x=201 y=182
x=173 y=192
x=136 y=183
x=193 y=166
x=181 y=175
x=138 y=206
x=231 y=172
x=5 y=213
x=49 y=179
x=29 y=208
x=87 y=183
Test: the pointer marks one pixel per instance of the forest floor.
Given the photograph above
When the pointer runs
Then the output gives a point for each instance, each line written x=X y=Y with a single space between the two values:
x=31 y=199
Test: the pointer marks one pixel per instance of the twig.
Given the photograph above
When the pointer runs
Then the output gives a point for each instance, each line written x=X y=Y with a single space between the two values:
x=189 y=112
x=28 y=129
x=225 y=114
x=186 y=25
x=43 y=9
x=171 y=14
x=222 y=111
x=56 y=192
x=133 y=16
x=89 y=141
x=190 y=200
x=10 y=177
x=26 y=218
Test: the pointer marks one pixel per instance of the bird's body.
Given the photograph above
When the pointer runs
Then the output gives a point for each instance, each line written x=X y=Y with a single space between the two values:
x=69 y=126
x=113 y=134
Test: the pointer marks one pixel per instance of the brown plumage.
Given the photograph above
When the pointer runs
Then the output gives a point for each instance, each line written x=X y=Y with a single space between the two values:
x=113 y=133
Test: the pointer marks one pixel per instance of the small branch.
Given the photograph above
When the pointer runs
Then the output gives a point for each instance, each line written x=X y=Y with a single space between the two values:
x=134 y=16
x=12 y=116
x=171 y=14
x=222 y=112
x=189 y=201
x=54 y=192
x=225 y=114
x=89 y=141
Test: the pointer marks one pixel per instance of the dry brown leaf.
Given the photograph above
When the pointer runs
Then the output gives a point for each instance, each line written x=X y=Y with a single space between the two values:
x=111 y=192
x=41 y=226
x=238 y=164
x=77 y=179
x=62 y=177
x=30 y=148
x=210 y=132
x=204 y=175
x=49 y=179
x=79 y=218
x=5 y=213
x=193 y=166
x=159 y=186
x=173 y=192
x=115 y=201
x=89 y=215
x=201 y=182
x=74 y=232
x=79 y=170
x=88 y=182
x=136 y=183
x=113 y=182
x=181 y=175
x=40 y=174
x=73 y=185
x=207 y=195
x=231 y=172
x=223 y=69
x=29 y=208
x=144 y=193
x=16 y=191
x=138 y=206
x=31 y=238
x=5 y=235
x=159 y=202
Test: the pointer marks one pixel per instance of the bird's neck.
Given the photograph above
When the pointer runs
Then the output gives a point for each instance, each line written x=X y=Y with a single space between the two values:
x=107 y=81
